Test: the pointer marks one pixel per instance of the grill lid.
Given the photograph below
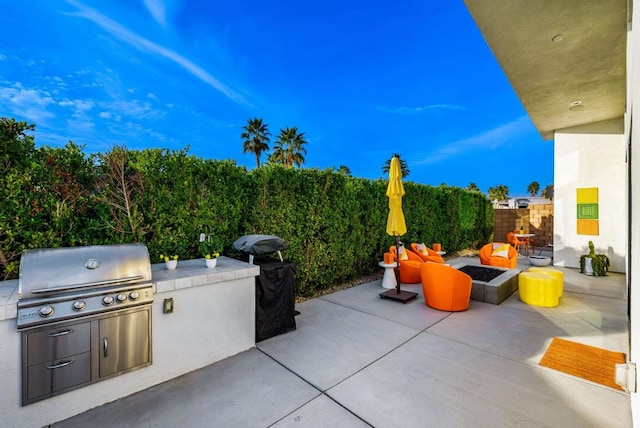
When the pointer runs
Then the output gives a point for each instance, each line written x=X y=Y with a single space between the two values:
x=57 y=270
x=258 y=244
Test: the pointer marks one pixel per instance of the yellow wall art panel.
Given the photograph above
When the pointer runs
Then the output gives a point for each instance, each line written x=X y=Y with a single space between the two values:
x=587 y=195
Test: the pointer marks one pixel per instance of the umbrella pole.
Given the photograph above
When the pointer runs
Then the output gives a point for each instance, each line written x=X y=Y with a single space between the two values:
x=397 y=268
x=397 y=294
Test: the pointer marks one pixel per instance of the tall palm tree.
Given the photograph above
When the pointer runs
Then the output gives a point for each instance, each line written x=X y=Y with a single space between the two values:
x=403 y=165
x=533 y=188
x=289 y=148
x=344 y=170
x=473 y=187
x=498 y=194
x=547 y=192
x=256 y=138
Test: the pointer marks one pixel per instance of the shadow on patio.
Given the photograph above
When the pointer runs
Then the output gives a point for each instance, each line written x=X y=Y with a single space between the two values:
x=356 y=360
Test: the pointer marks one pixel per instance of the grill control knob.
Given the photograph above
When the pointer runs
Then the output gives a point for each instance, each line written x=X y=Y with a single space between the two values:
x=107 y=300
x=79 y=305
x=46 y=311
x=134 y=295
x=121 y=297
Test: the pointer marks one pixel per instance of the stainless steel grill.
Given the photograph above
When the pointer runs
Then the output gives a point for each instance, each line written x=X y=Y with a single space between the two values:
x=84 y=314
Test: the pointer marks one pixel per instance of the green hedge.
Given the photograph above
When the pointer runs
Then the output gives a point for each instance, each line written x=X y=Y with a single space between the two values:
x=334 y=224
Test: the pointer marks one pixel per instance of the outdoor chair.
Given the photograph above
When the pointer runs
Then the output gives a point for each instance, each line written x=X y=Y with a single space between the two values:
x=445 y=288
x=519 y=243
x=499 y=254
x=410 y=264
x=426 y=253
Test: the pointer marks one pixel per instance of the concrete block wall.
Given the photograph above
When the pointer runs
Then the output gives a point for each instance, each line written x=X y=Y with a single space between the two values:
x=537 y=219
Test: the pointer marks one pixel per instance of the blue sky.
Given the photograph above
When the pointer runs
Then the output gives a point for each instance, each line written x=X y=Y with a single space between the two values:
x=361 y=79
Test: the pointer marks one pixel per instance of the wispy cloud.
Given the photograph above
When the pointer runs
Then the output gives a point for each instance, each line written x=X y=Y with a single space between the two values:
x=422 y=109
x=79 y=108
x=158 y=10
x=491 y=139
x=148 y=46
x=31 y=104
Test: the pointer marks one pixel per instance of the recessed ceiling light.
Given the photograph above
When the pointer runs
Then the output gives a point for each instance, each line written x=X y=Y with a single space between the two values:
x=557 y=38
x=574 y=105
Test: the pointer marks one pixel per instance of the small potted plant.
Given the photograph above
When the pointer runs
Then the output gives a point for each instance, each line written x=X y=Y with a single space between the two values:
x=210 y=249
x=171 y=249
x=594 y=264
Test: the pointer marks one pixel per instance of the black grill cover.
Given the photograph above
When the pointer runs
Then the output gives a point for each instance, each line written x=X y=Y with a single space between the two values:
x=258 y=244
x=275 y=301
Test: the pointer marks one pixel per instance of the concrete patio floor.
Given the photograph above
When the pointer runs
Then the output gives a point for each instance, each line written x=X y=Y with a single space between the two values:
x=356 y=360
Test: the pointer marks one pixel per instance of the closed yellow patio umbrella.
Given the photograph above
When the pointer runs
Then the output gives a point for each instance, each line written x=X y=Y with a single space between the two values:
x=396 y=226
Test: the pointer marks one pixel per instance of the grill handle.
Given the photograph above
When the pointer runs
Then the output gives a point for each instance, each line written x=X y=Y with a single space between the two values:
x=61 y=365
x=60 y=333
x=105 y=346
x=86 y=285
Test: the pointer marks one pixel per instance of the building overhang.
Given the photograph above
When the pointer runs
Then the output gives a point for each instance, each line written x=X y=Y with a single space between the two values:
x=566 y=60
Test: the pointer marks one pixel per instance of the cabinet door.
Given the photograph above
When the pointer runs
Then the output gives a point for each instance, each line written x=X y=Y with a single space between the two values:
x=125 y=341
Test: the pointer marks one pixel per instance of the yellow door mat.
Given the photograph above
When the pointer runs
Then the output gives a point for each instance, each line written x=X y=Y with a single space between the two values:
x=584 y=361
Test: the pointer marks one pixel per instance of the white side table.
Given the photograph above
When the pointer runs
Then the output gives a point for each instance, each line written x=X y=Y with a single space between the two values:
x=389 y=277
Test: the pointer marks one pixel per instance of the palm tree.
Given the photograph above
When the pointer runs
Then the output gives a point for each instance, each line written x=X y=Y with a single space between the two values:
x=547 y=192
x=533 y=188
x=498 y=194
x=344 y=170
x=256 y=138
x=403 y=165
x=473 y=187
x=289 y=149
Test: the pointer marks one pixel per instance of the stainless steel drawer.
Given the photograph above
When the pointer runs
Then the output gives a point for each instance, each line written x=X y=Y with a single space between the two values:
x=54 y=343
x=58 y=375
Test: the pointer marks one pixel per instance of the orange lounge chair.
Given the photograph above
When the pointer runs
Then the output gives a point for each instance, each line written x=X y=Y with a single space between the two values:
x=426 y=253
x=445 y=288
x=493 y=254
x=409 y=266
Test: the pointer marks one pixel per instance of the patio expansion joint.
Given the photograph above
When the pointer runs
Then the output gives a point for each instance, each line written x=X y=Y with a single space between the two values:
x=486 y=351
x=320 y=392
x=324 y=392
x=351 y=308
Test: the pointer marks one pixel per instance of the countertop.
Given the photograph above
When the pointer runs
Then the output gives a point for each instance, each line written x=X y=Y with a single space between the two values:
x=190 y=273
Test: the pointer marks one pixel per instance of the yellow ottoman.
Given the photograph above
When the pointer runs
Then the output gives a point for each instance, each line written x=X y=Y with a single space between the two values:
x=553 y=272
x=538 y=289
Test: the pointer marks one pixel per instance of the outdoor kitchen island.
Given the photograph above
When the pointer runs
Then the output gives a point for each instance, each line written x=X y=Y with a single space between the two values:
x=212 y=318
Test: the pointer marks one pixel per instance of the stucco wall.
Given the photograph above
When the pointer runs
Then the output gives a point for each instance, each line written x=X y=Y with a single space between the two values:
x=591 y=156
x=213 y=318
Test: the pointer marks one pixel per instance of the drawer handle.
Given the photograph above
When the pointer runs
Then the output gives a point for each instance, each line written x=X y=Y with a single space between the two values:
x=60 y=333
x=59 y=366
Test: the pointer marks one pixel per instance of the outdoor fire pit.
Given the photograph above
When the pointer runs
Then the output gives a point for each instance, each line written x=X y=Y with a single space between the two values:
x=490 y=284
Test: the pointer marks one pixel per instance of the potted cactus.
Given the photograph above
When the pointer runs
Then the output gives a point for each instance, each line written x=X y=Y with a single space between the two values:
x=594 y=264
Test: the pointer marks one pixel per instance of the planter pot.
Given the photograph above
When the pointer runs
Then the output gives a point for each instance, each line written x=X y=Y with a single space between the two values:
x=588 y=269
x=171 y=264
x=211 y=263
x=540 y=260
